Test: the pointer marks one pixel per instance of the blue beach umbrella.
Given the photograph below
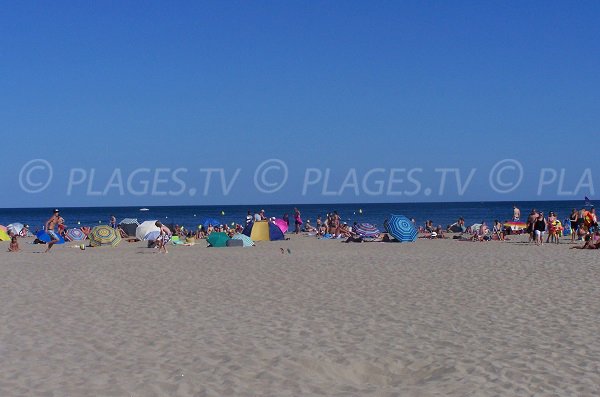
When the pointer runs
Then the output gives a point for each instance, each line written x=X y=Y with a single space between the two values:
x=401 y=228
x=366 y=230
x=75 y=234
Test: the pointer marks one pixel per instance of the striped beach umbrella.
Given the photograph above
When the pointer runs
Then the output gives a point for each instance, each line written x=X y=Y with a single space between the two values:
x=366 y=230
x=104 y=235
x=401 y=228
x=247 y=241
x=75 y=234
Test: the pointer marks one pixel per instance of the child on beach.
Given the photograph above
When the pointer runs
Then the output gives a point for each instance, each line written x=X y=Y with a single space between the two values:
x=163 y=238
x=14 y=245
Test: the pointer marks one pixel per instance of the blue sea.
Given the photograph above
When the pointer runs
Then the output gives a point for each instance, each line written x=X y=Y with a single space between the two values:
x=191 y=216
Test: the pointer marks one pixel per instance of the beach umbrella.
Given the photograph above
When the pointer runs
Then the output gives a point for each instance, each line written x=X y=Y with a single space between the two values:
x=3 y=228
x=281 y=224
x=210 y=221
x=366 y=230
x=15 y=228
x=153 y=235
x=245 y=239
x=217 y=239
x=75 y=234
x=144 y=228
x=104 y=235
x=401 y=228
x=4 y=236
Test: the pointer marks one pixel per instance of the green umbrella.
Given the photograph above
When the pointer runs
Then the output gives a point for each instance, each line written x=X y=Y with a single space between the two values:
x=217 y=239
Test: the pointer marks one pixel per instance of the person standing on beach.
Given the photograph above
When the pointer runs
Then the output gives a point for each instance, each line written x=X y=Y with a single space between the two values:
x=164 y=237
x=50 y=225
x=113 y=222
x=574 y=225
x=516 y=214
x=297 y=220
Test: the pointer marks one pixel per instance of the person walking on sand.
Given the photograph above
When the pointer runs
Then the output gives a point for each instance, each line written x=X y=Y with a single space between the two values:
x=297 y=220
x=50 y=225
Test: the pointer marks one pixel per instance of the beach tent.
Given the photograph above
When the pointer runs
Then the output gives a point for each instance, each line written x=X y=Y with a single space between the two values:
x=43 y=236
x=4 y=236
x=366 y=230
x=282 y=225
x=401 y=228
x=75 y=234
x=146 y=227
x=247 y=241
x=217 y=239
x=104 y=235
x=263 y=231
x=129 y=225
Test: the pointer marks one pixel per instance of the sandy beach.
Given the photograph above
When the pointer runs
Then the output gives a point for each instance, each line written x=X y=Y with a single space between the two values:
x=432 y=318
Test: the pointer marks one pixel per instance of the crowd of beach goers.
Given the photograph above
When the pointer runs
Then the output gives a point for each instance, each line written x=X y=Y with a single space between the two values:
x=580 y=225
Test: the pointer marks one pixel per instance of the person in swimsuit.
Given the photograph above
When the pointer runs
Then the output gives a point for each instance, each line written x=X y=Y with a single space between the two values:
x=113 y=222
x=297 y=220
x=539 y=227
x=50 y=225
x=574 y=224
x=163 y=238
x=516 y=214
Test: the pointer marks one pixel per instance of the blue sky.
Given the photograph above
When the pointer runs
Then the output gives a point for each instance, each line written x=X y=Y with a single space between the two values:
x=323 y=85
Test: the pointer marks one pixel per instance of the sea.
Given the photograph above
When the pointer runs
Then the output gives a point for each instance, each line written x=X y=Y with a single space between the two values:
x=191 y=216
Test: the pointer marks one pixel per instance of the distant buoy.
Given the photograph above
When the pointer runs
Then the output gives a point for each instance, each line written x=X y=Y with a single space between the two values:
x=222 y=212
x=360 y=211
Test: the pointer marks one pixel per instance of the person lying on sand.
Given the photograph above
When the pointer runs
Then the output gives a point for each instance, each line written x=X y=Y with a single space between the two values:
x=589 y=244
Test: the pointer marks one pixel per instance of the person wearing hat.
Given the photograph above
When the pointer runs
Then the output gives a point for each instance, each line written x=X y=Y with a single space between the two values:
x=50 y=225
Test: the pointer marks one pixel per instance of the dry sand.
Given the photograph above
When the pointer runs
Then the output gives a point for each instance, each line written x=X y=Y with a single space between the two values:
x=434 y=318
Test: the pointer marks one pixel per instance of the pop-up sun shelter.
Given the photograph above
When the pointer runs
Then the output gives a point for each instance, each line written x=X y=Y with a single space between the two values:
x=263 y=231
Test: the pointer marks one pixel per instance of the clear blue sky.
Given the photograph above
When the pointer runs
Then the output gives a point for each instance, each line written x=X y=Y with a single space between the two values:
x=322 y=84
